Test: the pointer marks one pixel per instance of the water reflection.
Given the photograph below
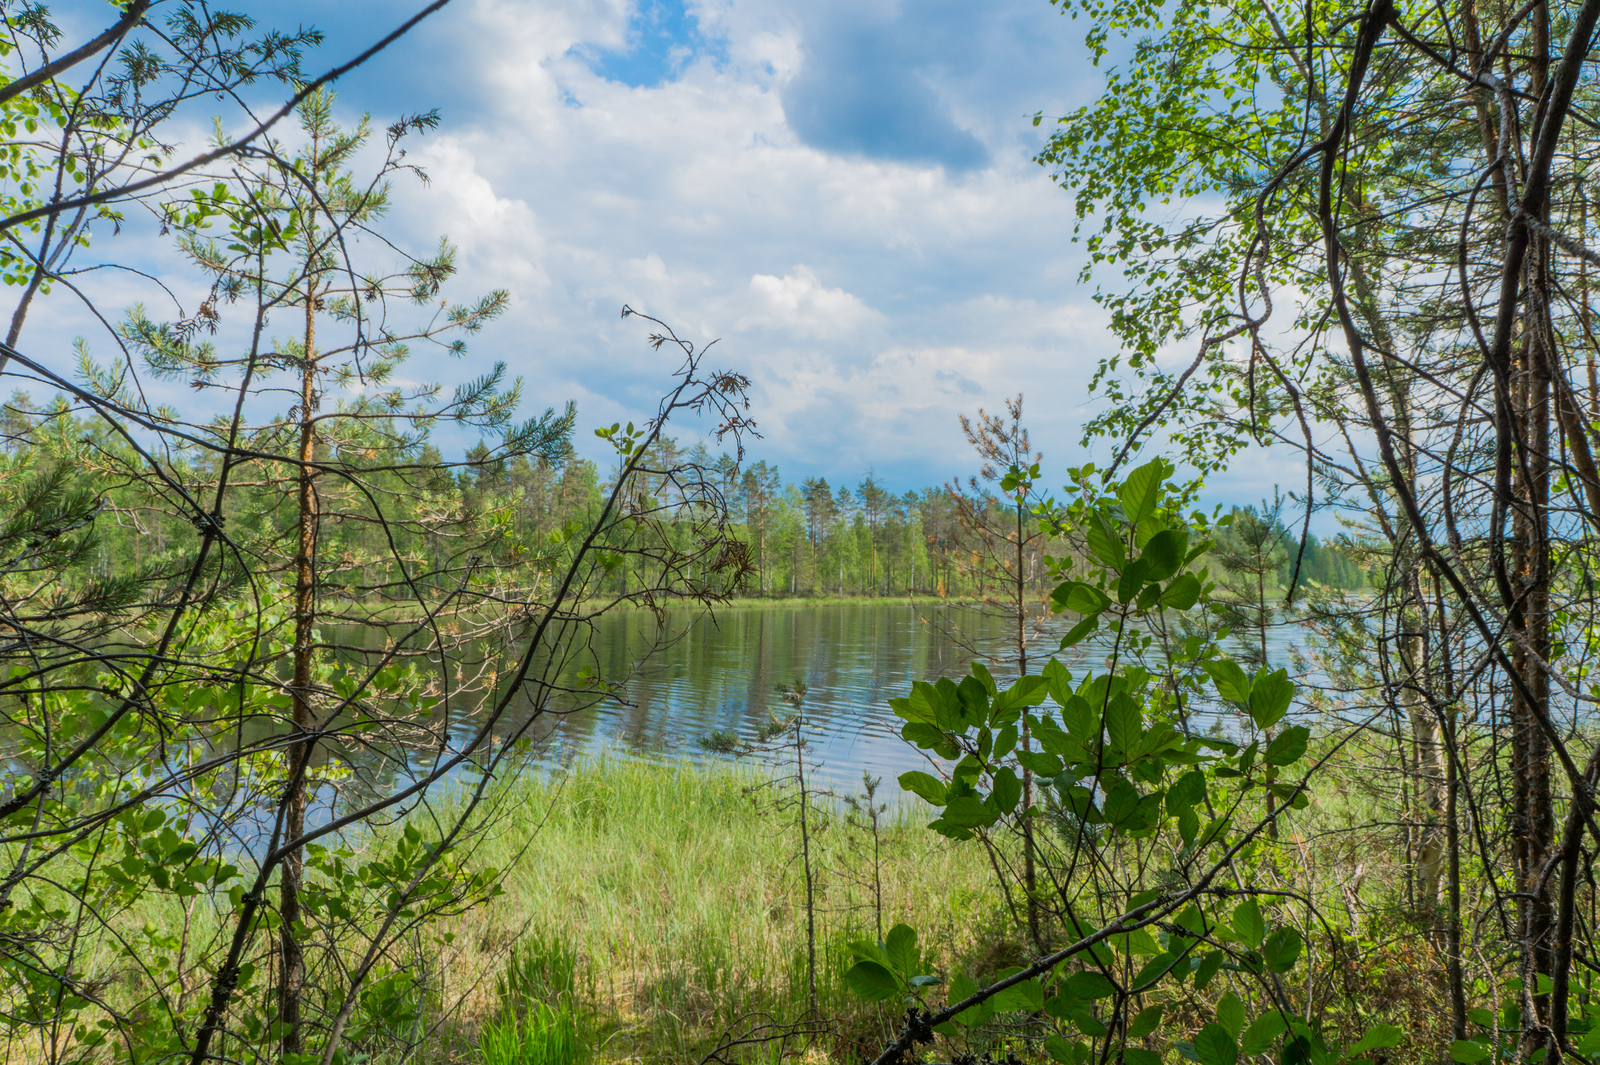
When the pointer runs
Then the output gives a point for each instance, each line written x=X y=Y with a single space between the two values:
x=723 y=674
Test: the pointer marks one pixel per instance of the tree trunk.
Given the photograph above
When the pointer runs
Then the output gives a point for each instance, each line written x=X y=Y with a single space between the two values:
x=1532 y=813
x=1029 y=871
x=291 y=977
x=1425 y=809
x=1428 y=756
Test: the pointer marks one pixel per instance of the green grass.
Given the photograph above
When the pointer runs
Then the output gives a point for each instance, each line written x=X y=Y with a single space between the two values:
x=544 y=1035
x=650 y=908
x=680 y=891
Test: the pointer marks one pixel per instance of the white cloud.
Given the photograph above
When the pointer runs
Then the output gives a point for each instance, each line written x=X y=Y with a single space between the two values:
x=801 y=304
x=870 y=297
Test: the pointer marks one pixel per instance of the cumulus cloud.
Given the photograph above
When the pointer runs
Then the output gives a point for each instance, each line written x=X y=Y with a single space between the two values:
x=842 y=192
x=874 y=272
x=803 y=305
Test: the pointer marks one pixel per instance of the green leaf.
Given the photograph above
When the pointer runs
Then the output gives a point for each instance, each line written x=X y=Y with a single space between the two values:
x=974 y=703
x=1467 y=1052
x=930 y=738
x=1147 y=529
x=950 y=829
x=1262 y=1033
x=1142 y=490
x=1188 y=825
x=1290 y=744
x=1122 y=800
x=1105 y=541
x=871 y=981
x=1029 y=690
x=1379 y=1036
x=1207 y=969
x=901 y=949
x=1248 y=923
x=1058 y=680
x=1156 y=968
x=946 y=700
x=1215 y=1046
x=1163 y=555
x=1123 y=723
x=967 y=812
x=1050 y=738
x=1140 y=1056
x=1132 y=580
x=1032 y=994
x=1058 y=1048
x=1230 y=680
x=1079 y=799
x=1089 y=984
x=1017 y=996
x=926 y=785
x=962 y=988
x=1062 y=1006
x=1146 y=817
x=1215 y=829
x=1270 y=696
x=1007 y=789
x=1182 y=593
x=1148 y=598
x=918 y=706
x=867 y=950
x=1005 y=741
x=1080 y=598
x=1144 y=1022
x=1192 y=920
x=1080 y=631
x=981 y=671
x=1039 y=763
x=1188 y=790
x=1138 y=942
x=1230 y=1013
x=1282 y=950
x=1083 y=724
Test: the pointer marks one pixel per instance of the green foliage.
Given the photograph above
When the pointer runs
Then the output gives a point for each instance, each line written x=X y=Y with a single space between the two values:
x=891 y=968
x=1125 y=780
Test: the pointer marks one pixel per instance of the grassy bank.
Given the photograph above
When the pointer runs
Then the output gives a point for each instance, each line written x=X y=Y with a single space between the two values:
x=648 y=910
x=681 y=890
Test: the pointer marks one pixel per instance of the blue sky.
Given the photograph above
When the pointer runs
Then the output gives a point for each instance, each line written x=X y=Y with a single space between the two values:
x=841 y=191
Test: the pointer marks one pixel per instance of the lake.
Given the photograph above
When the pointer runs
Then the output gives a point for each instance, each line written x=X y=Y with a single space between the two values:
x=723 y=674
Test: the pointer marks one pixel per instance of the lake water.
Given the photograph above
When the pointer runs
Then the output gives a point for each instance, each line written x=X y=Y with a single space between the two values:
x=723 y=674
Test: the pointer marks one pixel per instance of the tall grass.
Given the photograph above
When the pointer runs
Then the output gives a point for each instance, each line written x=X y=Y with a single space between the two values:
x=679 y=892
x=542 y=1036
x=649 y=909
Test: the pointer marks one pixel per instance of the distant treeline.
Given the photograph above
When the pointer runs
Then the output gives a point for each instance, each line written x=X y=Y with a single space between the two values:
x=817 y=539
x=810 y=539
